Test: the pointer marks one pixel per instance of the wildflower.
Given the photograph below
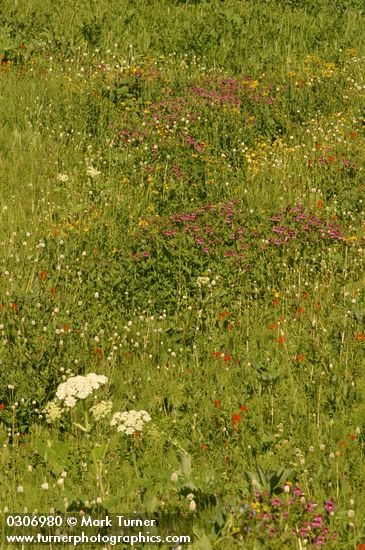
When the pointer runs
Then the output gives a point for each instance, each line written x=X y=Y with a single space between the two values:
x=352 y=437
x=217 y=403
x=236 y=419
x=244 y=408
x=101 y=410
x=52 y=411
x=92 y=172
x=45 y=486
x=79 y=387
x=299 y=358
x=202 y=281
x=130 y=421
x=329 y=506
x=174 y=477
x=20 y=489
x=63 y=177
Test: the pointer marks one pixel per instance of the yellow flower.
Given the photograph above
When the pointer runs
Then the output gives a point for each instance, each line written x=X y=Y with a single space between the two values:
x=143 y=223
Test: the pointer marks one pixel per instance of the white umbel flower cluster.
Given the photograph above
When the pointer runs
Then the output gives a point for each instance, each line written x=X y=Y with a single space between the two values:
x=52 y=411
x=101 y=410
x=202 y=281
x=79 y=387
x=130 y=421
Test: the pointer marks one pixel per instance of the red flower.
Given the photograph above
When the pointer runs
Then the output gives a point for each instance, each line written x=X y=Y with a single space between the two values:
x=217 y=403
x=281 y=340
x=352 y=437
x=2 y=406
x=14 y=306
x=360 y=337
x=299 y=358
x=273 y=326
x=227 y=357
x=136 y=435
x=275 y=302
x=244 y=408
x=98 y=352
x=217 y=354
x=223 y=314
x=43 y=275
x=342 y=443
x=203 y=446
x=53 y=290
x=236 y=419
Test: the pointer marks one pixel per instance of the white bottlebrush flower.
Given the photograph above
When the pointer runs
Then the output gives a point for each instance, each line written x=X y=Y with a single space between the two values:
x=130 y=421
x=101 y=410
x=79 y=387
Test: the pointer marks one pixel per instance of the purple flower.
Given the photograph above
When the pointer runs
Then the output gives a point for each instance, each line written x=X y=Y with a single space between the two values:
x=276 y=502
x=317 y=521
x=329 y=506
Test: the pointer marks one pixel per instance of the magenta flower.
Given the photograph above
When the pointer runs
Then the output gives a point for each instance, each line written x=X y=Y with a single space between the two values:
x=329 y=506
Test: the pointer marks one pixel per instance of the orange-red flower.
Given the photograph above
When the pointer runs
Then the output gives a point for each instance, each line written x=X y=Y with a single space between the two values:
x=203 y=446
x=273 y=326
x=223 y=314
x=43 y=275
x=244 y=408
x=299 y=358
x=14 y=306
x=281 y=340
x=236 y=419
x=360 y=337
x=217 y=403
x=352 y=437
x=2 y=406
x=227 y=357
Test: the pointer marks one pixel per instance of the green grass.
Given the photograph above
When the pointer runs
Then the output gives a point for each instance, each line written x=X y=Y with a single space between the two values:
x=182 y=212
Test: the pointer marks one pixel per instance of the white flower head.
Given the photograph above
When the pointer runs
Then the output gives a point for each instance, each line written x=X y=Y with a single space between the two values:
x=101 y=410
x=52 y=411
x=202 y=281
x=130 y=421
x=79 y=387
x=92 y=172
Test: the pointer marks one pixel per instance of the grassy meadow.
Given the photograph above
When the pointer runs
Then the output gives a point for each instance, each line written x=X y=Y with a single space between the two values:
x=182 y=233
